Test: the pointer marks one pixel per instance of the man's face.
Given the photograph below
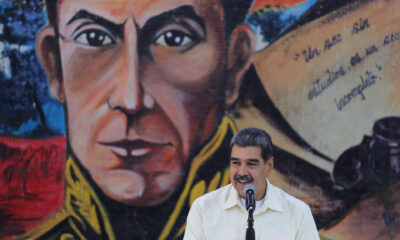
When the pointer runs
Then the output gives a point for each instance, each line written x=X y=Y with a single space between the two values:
x=247 y=166
x=143 y=84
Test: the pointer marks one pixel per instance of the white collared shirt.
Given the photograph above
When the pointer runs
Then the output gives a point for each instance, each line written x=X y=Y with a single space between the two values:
x=220 y=215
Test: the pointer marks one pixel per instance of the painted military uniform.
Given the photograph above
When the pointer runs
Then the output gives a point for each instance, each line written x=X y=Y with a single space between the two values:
x=86 y=215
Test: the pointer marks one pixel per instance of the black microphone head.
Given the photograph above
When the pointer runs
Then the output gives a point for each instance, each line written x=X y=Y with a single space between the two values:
x=249 y=187
x=250 y=192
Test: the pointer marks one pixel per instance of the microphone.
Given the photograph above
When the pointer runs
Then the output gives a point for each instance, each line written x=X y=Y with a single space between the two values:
x=250 y=191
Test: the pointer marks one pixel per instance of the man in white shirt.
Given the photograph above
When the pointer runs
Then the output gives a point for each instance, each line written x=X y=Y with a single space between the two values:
x=222 y=214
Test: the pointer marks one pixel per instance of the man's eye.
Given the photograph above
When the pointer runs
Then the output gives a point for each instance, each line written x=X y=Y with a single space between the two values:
x=174 y=38
x=95 y=38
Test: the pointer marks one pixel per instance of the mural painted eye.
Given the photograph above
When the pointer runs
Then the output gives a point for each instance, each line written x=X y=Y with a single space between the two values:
x=95 y=38
x=174 y=38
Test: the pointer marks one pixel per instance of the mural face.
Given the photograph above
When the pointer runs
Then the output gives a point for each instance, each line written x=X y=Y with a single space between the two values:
x=135 y=109
x=128 y=117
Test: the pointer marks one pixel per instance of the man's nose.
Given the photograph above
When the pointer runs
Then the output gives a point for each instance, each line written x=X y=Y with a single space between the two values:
x=243 y=170
x=129 y=96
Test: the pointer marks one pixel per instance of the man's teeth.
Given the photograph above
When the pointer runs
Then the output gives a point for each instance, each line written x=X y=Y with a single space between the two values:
x=120 y=151
x=242 y=181
x=139 y=152
x=133 y=153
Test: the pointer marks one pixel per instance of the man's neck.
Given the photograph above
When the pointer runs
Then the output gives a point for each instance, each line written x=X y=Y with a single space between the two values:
x=262 y=196
x=258 y=202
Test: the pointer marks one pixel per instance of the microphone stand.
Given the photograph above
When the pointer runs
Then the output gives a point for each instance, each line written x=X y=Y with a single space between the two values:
x=250 y=235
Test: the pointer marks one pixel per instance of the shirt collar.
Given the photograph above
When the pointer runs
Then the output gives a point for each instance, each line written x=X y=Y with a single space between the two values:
x=232 y=198
x=271 y=199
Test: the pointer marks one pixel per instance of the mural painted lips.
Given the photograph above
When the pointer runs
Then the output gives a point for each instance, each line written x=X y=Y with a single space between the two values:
x=128 y=149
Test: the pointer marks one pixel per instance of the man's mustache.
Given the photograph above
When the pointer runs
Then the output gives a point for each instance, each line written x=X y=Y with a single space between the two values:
x=246 y=178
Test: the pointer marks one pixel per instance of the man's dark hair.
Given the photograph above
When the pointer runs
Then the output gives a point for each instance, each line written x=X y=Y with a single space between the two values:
x=254 y=137
x=235 y=12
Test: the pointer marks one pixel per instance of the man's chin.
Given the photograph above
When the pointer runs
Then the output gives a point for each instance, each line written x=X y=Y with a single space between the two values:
x=239 y=187
x=121 y=185
x=147 y=201
x=238 y=190
x=131 y=188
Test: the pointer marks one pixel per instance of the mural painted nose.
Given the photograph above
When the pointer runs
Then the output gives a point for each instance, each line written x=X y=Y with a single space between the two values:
x=129 y=96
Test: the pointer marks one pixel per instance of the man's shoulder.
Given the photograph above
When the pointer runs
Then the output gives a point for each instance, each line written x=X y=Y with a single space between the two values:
x=288 y=201
x=62 y=225
x=216 y=195
x=50 y=228
x=297 y=212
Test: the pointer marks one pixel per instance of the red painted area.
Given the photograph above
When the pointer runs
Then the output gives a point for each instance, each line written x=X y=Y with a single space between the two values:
x=31 y=182
x=282 y=3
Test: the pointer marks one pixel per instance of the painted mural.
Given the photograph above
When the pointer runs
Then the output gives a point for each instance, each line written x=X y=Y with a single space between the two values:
x=116 y=115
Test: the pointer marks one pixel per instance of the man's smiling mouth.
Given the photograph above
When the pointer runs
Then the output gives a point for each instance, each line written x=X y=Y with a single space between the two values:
x=243 y=179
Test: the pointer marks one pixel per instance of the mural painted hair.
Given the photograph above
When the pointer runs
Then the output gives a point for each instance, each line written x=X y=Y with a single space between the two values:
x=235 y=12
x=249 y=137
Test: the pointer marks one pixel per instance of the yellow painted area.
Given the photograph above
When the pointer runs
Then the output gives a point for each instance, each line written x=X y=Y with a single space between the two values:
x=198 y=190
x=225 y=178
x=46 y=226
x=76 y=229
x=214 y=182
x=67 y=236
x=180 y=232
x=84 y=199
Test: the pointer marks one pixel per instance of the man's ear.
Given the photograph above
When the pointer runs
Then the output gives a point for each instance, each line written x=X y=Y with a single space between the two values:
x=241 y=47
x=269 y=166
x=49 y=55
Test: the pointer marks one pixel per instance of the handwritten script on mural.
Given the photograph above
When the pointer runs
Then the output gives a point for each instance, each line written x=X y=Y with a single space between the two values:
x=340 y=69
x=367 y=79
